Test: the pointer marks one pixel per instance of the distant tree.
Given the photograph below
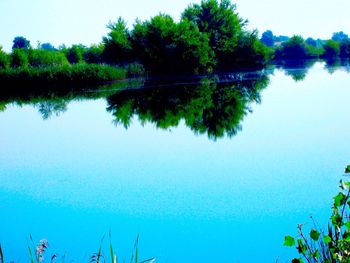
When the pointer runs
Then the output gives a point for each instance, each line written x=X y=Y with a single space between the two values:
x=4 y=59
x=331 y=49
x=268 y=38
x=117 y=44
x=310 y=41
x=281 y=38
x=74 y=54
x=19 y=58
x=47 y=46
x=21 y=42
x=339 y=36
x=294 y=48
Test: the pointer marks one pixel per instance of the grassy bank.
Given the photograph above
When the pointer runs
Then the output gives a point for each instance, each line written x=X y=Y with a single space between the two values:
x=77 y=73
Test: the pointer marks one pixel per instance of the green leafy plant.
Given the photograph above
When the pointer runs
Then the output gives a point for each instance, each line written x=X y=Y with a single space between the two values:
x=331 y=245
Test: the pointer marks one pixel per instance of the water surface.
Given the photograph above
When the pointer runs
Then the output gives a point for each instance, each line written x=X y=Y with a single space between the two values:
x=204 y=171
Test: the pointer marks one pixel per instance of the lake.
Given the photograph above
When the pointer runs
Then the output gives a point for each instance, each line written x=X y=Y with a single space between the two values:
x=217 y=169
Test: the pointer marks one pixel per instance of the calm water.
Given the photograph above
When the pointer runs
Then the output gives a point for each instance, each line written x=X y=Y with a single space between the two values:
x=205 y=173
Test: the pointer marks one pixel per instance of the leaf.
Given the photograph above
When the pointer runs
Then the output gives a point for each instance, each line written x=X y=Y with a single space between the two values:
x=347 y=224
x=297 y=260
x=339 y=199
x=289 y=241
x=314 y=234
x=327 y=239
x=346 y=236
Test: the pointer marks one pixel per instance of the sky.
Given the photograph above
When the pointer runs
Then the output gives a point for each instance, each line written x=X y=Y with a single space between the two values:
x=84 y=21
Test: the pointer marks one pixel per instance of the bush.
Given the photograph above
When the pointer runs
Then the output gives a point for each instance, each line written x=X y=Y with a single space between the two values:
x=19 y=58
x=93 y=54
x=75 y=54
x=4 y=59
x=333 y=244
x=45 y=58
x=331 y=49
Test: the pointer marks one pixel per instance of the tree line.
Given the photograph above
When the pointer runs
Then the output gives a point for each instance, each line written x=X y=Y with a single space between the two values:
x=209 y=37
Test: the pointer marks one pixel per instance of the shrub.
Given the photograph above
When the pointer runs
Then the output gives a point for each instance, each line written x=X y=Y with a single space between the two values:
x=19 y=58
x=75 y=54
x=45 y=58
x=331 y=49
x=93 y=54
x=333 y=244
x=4 y=59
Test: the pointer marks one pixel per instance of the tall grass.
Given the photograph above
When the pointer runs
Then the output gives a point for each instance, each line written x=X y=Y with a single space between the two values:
x=37 y=253
x=79 y=73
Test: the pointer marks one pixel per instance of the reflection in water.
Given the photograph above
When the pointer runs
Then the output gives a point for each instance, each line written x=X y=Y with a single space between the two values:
x=210 y=107
x=214 y=105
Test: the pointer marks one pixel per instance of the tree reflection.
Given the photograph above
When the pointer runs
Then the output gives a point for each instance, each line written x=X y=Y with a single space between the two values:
x=213 y=107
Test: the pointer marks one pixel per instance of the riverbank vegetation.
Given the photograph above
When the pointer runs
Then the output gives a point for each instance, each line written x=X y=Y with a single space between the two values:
x=330 y=245
x=209 y=37
x=39 y=252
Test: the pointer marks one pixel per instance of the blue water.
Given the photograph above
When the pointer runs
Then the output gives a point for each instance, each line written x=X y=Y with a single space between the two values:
x=192 y=198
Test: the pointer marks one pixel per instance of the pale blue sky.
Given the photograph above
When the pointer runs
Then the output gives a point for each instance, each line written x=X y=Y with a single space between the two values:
x=78 y=21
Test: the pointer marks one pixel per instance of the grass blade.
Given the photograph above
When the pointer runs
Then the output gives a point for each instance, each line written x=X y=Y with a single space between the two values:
x=113 y=256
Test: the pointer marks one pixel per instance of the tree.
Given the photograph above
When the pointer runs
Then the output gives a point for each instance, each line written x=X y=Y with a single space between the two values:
x=74 y=54
x=294 y=48
x=93 y=54
x=21 y=42
x=340 y=36
x=4 y=59
x=267 y=38
x=117 y=44
x=222 y=25
x=19 y=58
x=331 y=49
x=310 y=41
x=47 y=46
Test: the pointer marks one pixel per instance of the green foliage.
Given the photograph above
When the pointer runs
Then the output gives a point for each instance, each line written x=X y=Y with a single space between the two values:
x=4 y=59
x=294 y=48
x=19 y=58
x=289 y=241
x=79 y=73
x=117 y=44
x=93 y=54
x=223 y=26
x=74 y=54
x=332 y=245
x=46 y=58
x=207 y=108
x=331 y=49
x=21 y=42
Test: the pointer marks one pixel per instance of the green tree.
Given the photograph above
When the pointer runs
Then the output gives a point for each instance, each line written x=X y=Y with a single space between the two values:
x=340 y=36
x=93 y=54
x=221 y=23
x=117 y=44
x=331 y=49
x=4 y=59
x=19 y=58
x=294 y=48
x=74 y=54
x=21 y=42
x=345 y=49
